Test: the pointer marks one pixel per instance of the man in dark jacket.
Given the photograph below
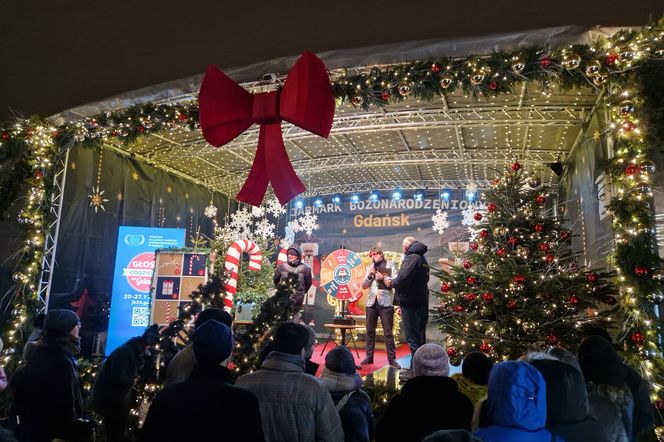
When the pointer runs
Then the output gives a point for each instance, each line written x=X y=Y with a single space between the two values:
x=112 y=391
x=294 y=265
x=205 y=407
x=412 y=292
x=47 y=390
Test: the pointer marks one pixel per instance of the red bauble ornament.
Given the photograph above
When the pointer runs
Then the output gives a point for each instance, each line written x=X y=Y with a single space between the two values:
x=485 y=347
x=539 y=227
x=541 y=199
x=592 y=277
x=487 y=296
x=471 y=280
x=545 y=62
x=544 y=247
x=565 y=235
x=493 y=85
x=435 y=68
x=550 y=258
x=638 y=338
x=182 y=117
x=516 y=167
x=519 y=279
x=141 y=129
x=632 y=169
x=492 y=207
x=611 y=59
x=610 y=300
x=201 y=273
x=458 y=308
x=470 y=297
x=385 y=96
x=474 y=246
x=659 y=404
x=451 y=352
x=513 y=240
x=5 y=135
x=573 y=300
x=39 y=174
x=484 y=233
x=477 y=216
x=495 y=182
x=552 y=339
x=500 y=252
x=467 y=264
x=641 y=271
x=114 y=133
x=627 y=126
x=445 y=287
x=511 y=304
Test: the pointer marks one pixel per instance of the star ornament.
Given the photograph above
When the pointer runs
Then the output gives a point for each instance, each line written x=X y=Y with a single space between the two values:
x=97 y=199
x=134 y=176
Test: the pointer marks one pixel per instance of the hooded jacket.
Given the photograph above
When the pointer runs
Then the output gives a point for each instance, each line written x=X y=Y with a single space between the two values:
x=356 y=415
x=303 y=276
x=411 y=281
x=516 y=405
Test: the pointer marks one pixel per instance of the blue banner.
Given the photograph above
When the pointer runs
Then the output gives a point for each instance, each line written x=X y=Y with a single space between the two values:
x=132 y=278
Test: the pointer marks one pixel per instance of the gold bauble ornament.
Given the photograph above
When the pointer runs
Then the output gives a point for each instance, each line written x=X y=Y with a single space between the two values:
x=647 y=166
x=518 y=65
x=601 y=78
x=593 y=68
x=500 y=231
x=478 y=77
x=357 y=100
x=571 y=61
x=405 y=88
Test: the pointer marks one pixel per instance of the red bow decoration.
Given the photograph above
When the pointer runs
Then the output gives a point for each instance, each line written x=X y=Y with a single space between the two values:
x=227 y=110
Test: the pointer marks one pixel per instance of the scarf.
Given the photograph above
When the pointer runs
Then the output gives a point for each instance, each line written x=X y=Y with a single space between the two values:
x=340 y=382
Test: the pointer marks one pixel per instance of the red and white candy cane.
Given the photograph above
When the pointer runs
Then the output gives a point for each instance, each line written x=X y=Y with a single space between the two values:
x=191 y=263
x=232 y=264
x=282 y=257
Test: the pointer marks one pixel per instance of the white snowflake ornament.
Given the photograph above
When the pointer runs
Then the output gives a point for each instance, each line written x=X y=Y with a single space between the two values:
x=210 y=211
x=307 y=223
x=257 y=212
x=440 y=222
x=264 y=229
x=275 y=208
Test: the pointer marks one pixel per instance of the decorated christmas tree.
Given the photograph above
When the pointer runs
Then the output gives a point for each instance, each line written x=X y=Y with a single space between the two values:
x=520 y=287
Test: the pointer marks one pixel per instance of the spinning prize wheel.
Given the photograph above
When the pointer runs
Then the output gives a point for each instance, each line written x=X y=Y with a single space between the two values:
x=341 y=275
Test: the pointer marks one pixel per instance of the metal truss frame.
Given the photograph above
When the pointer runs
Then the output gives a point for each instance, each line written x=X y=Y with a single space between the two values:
x=365 y=186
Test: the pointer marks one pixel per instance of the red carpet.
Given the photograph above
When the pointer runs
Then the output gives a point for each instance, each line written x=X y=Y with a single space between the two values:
x=380 y=357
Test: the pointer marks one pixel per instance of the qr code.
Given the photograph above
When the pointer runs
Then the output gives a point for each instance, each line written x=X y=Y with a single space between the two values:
x=140 y=317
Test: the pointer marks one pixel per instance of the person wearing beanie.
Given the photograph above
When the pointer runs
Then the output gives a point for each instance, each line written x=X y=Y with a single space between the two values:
x=212 y=408
x=47 y=390
x=411 y=416
x=183 y=362
x=571 y=415
x=295 y=406
x=112 y=392
x=515 y=408
x=474 y=375
x=605 y=376
x=294 y=265
x=354 y=405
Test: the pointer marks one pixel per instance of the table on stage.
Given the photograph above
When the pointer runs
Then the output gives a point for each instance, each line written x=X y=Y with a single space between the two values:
x=342 y=328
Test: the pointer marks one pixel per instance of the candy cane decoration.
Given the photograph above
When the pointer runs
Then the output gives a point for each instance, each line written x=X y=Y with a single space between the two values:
x=191 y=263
x=282 y=257
x=232 y=264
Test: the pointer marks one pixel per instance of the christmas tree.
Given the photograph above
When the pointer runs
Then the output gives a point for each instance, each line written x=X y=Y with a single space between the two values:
x=520 y=288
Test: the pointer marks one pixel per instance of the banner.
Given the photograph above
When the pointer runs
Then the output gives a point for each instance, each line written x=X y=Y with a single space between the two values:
x=134 y=268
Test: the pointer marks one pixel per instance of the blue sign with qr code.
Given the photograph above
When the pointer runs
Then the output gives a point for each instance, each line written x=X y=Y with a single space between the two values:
x=134 y=267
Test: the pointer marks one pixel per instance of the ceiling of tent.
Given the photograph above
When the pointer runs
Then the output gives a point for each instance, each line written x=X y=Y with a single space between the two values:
x=451 y=142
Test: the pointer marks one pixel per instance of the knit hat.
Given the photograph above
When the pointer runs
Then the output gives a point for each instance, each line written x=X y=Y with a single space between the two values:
x=600 y=362
x=431 y=360
x=294 y=250
x=60 y=322
x=340 y=360
x=212 y=343
x=476 y=367
x=213 y=313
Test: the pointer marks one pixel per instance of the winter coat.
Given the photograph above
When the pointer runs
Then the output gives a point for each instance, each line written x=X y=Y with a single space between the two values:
x=516 y=405
x=410 y=415
x=205 y=407
x=357 y=414
x=113 y=386
x=411 y=281
x=181 y=366
x=473 y=391
x=303 y=278
x=569 y=412
x=47 y=392
x=643 y=409
x=295 y=407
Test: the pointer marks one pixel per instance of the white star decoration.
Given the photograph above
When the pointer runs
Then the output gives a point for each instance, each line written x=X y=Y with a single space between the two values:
x=97 y=199
x=440 y=222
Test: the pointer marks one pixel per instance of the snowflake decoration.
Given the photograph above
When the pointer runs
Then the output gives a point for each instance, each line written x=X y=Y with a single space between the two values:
x=306 y=223
x=275 y=207
x=440 y=222
x=97 y=199
x=472 y=187
x=241 y=222
x=469 y=216
x=210 y=211
x=257 y=212
x=289 y=234
x=226 y=234
x=264 y=229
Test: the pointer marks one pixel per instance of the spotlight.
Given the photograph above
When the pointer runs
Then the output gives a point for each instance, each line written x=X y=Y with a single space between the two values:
x=470 y=195
x=336 y=199
x=396 y=195
x=445 y=195
x=373 y=196
x=318 y=202
x=299 y=204
x=354 y=198
x=418 y=195
x=557 y=167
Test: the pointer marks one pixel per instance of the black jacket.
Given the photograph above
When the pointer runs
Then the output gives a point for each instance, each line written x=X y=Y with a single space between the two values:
x=303 y=279
x=410 y=415
x=47 y=394
x=643 y=409
x=411 y=281
x=356 y=416
x=205 y=407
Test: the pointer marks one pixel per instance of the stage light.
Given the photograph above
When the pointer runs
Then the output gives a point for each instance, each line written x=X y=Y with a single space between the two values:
x=470 y=195
x=299 y=204
x=396 y=195
x=418 y=195
x=445 y=195
x=354 y=198
x=318 y=202
x=336 y=199
x=373 y=196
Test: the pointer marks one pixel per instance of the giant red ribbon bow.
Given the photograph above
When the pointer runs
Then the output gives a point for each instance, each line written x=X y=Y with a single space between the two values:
x=227 y=110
